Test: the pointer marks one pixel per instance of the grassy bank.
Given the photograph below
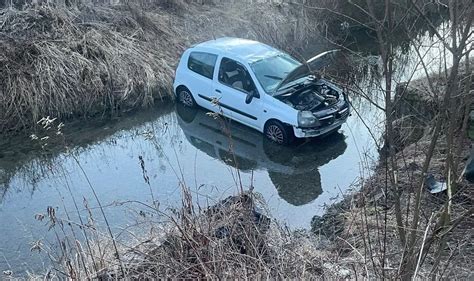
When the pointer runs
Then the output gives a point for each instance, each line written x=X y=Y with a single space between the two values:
x=78 y=59
x=83 y=60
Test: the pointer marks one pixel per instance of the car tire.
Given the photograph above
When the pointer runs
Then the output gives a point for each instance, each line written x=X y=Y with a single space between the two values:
x=185 y=97
x=278 y=133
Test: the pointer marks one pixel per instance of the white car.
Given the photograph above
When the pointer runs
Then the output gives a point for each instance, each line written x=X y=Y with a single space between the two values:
x=261 y=87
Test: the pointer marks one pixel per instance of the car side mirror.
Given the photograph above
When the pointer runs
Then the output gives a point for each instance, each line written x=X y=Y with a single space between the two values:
x=250 y=96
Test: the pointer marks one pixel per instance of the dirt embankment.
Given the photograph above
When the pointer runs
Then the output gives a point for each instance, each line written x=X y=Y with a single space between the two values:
x=363 y=227
x=84 y=60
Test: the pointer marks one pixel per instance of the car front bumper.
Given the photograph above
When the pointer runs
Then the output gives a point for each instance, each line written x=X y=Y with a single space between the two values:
x=314 y=132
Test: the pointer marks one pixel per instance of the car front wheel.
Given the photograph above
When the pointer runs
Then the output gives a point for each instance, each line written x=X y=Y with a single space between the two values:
x=278 y=133
x=186 y=98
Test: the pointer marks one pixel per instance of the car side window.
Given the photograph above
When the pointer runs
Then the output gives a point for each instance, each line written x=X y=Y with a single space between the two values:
x=235 y=75
x=202 y=63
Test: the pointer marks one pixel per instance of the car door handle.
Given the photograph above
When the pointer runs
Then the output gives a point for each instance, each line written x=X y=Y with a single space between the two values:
x=219 y=91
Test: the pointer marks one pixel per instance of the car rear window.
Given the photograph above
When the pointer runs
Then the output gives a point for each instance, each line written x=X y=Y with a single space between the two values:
x=202 y=63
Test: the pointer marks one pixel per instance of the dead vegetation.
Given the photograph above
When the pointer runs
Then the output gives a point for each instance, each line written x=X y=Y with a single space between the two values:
x=361 y=222
x=226 y=240
x=82 y=60
x=363 y=228
x=64 y=62
x=233 y=238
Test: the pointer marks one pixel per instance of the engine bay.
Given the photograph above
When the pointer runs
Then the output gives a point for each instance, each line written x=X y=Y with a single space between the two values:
x=312 y=97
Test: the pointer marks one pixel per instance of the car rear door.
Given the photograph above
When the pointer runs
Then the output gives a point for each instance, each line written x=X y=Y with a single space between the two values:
x=199 y=79
x=234 y=83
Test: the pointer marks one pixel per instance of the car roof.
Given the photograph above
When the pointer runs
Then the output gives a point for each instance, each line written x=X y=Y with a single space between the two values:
x=247 y=50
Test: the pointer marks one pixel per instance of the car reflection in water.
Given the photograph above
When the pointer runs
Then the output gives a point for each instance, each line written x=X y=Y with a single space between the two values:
x=293 y=170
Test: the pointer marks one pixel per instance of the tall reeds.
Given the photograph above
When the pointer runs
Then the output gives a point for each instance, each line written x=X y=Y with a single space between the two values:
x=65 y=62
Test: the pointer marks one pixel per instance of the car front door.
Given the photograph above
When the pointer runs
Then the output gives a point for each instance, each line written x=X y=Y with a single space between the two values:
x=234 y=83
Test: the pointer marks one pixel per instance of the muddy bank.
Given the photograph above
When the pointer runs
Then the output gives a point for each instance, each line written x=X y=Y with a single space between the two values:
x=363 y=227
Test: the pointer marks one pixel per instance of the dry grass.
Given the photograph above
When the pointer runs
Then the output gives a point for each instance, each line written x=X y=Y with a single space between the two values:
x=227 y=240
x=56 y=62
x=82 y=60
x=231 y=239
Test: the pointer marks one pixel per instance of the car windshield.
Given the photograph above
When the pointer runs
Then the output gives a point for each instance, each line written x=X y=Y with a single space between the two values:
x=272 y=70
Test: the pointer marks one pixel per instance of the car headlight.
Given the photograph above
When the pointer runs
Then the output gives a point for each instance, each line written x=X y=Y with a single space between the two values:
x=306 y=119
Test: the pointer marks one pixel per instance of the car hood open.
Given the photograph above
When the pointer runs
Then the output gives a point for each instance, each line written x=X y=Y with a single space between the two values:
x=313 y=64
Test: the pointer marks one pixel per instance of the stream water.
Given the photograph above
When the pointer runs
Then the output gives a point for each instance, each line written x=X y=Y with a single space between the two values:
x=296 y=182
x=176 y=146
